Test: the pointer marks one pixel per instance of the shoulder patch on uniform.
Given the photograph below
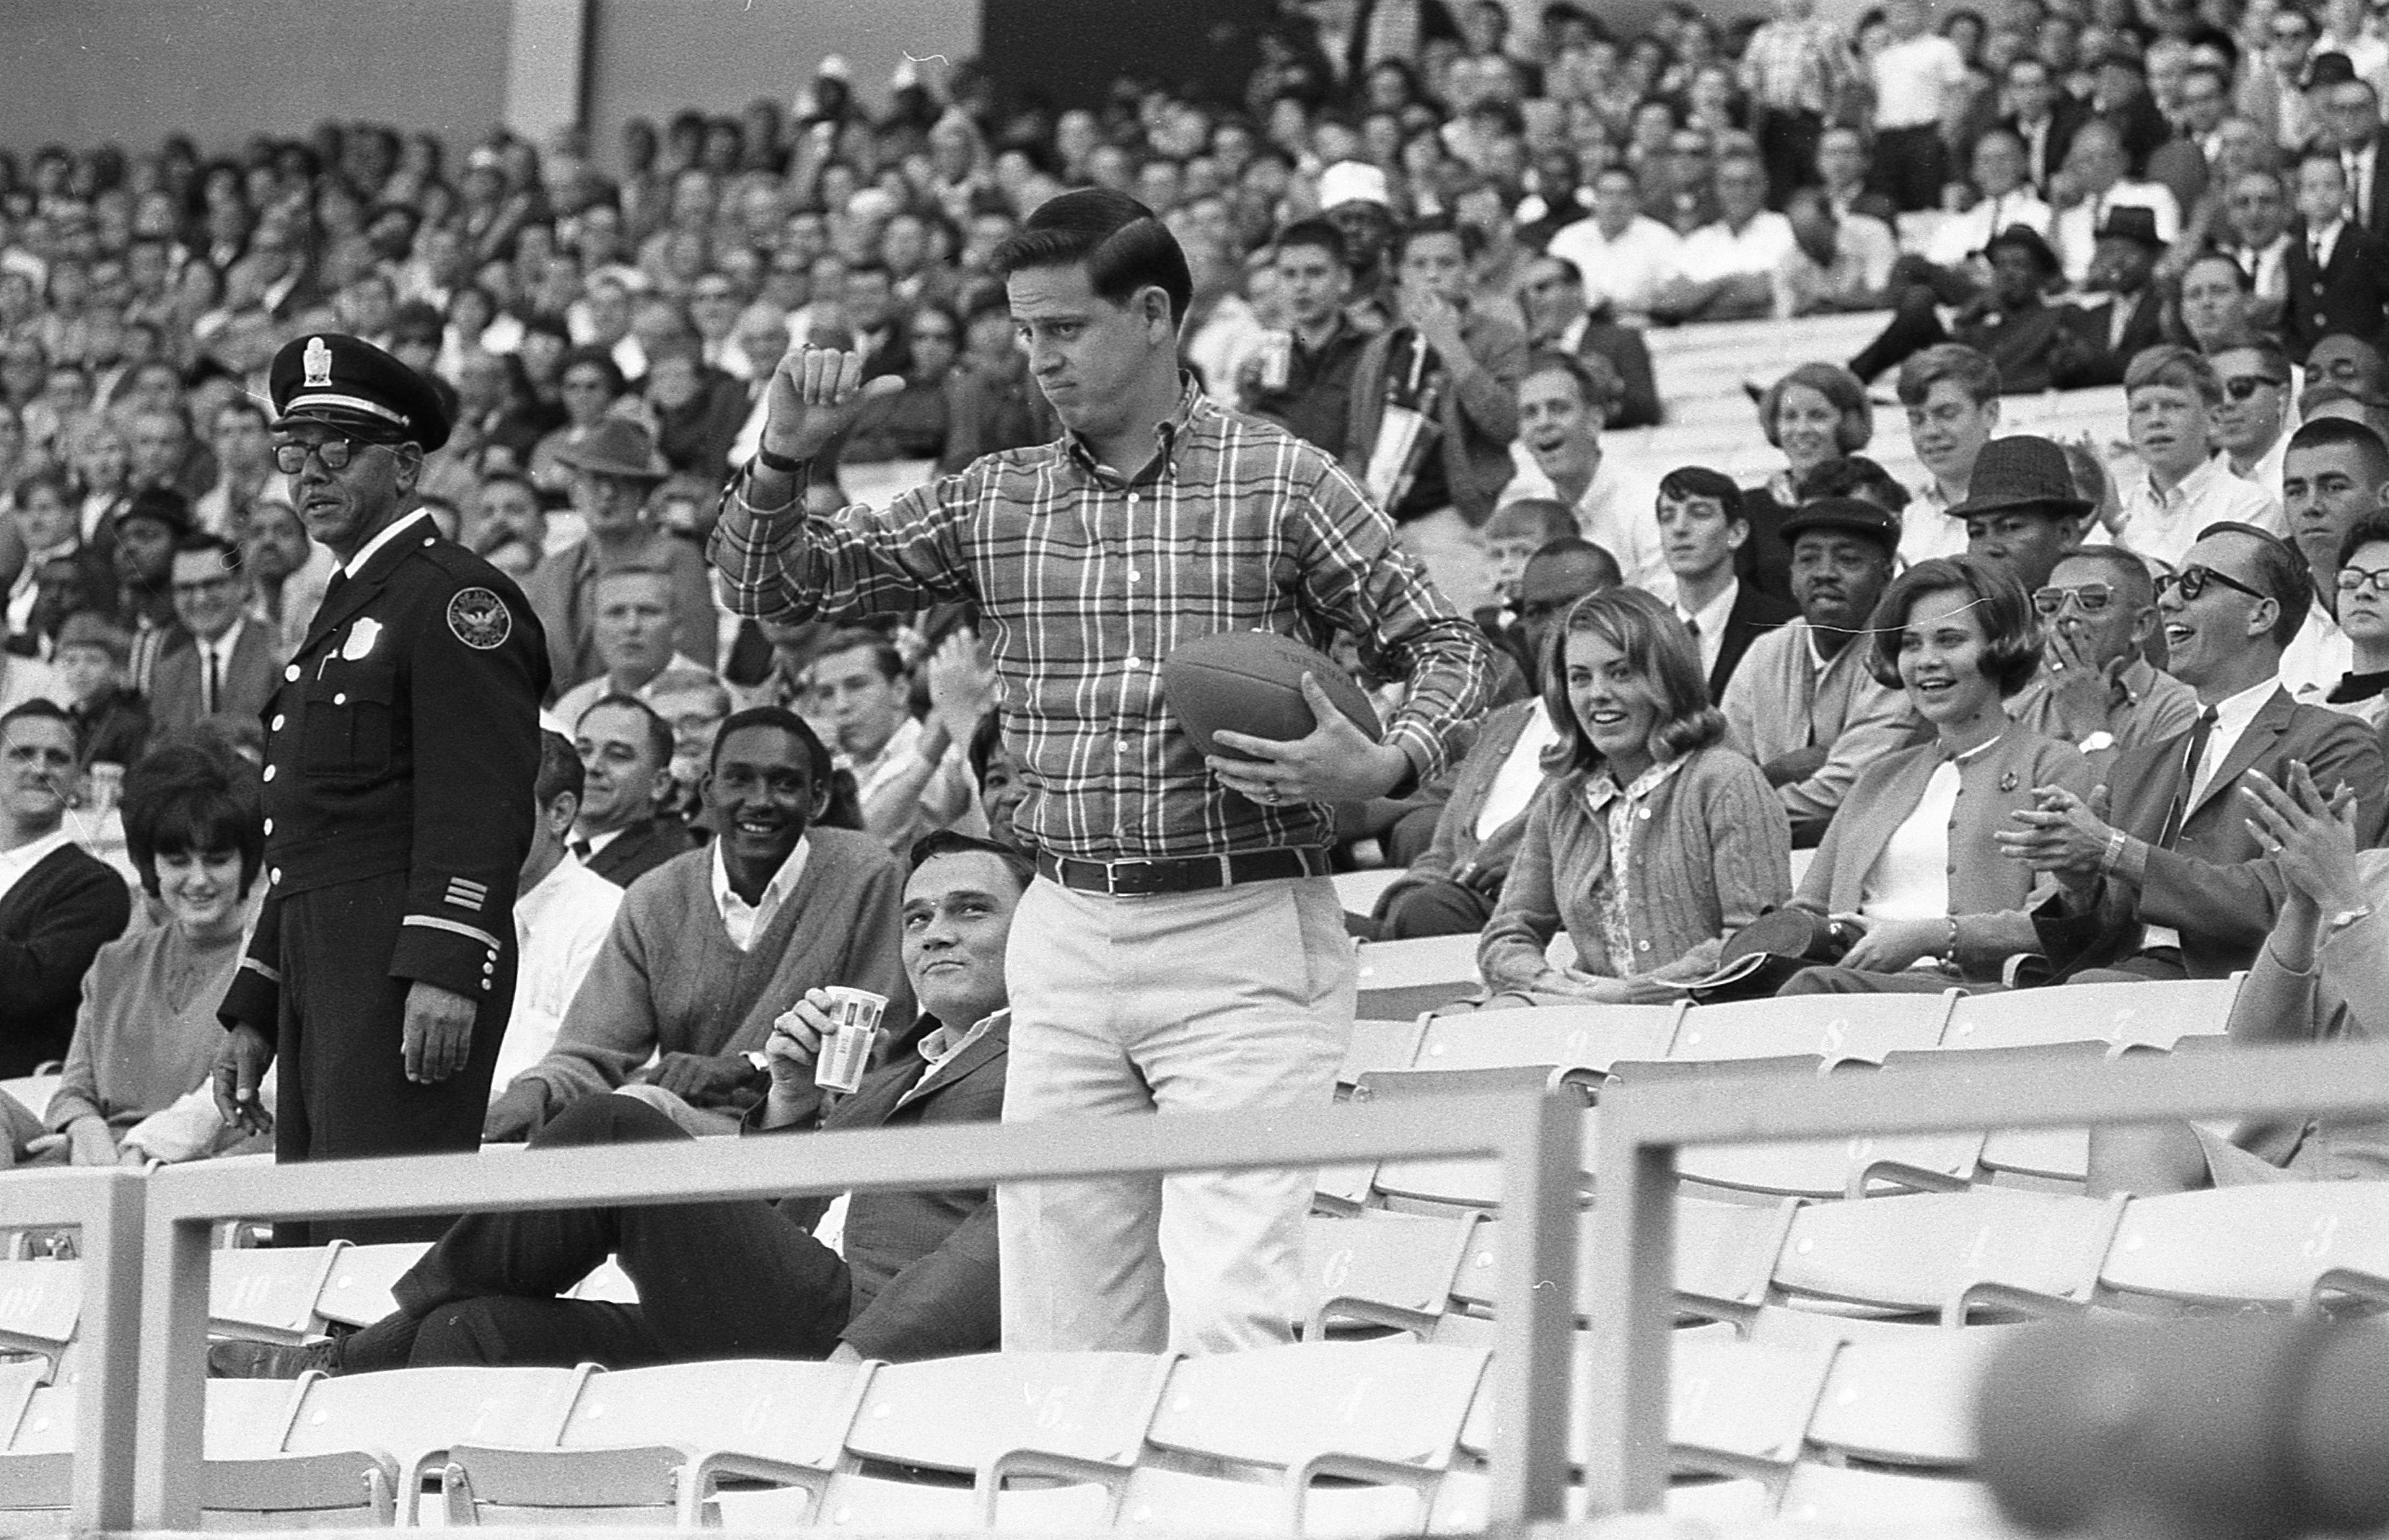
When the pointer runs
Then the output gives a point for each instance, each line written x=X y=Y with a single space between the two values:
x=480 y=619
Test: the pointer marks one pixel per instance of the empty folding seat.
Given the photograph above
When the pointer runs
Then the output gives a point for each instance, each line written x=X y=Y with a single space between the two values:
x=1385 y=1270
x=268 y=1293
x=41 y=1304
x=1930 y=1252
x=2277 y=1245
x=1725 y=1256
x=1406 y=978
x=1827 y=1027
x=357 y=1290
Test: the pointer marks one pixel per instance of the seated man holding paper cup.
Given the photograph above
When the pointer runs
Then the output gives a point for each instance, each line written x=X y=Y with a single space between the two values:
x=712 y=946
x=886 y=1274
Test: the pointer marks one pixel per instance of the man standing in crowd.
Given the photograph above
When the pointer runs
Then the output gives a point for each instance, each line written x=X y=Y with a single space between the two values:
x=1212 y=873
x=1314 y=278
x=400 y=752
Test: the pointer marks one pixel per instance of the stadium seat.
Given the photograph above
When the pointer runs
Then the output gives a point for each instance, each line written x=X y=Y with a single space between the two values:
x=1460 y=1183
x=1385 y=1270
x=646 y=1445
x=1378 y=1045
x=418 y=1414
x=41 y=1304
x=2273 y=1246
x=269 y=1294
x=1830 y=1026
x=1928 y=1251
x=2155 y=1012
x=1855 y=1497
x=2046 y=1158
x=1904 y=1398
x=1862 y=1167
x=1725 y=1255
x=357 y=1292
x=1407 y=978
x=1358 y=891
x=1589 y=1037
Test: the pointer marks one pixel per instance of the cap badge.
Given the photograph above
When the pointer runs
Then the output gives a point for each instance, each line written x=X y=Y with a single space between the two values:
x=317 y=361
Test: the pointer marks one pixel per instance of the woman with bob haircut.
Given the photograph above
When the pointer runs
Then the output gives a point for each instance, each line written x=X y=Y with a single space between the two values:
x=147 y=1033
x=1816 y=413
x=1909 y=862
x=1651 y=841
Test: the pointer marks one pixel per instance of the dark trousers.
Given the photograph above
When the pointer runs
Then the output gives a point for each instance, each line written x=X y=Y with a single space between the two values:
x=1787 y=147
x=342 y=1090
x=716 y=1280
x=1911 y=167
x=1914 y=325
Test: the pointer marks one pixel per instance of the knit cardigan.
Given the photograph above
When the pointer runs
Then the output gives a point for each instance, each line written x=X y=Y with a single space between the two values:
x=133 y=1051
x=668 y=980
x=1711 y=852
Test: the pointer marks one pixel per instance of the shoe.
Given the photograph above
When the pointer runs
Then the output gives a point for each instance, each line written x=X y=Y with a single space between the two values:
x=248 y=1359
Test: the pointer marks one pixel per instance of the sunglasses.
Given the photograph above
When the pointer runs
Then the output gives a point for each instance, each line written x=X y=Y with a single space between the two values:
x=2241 y=386
x=336 y=453
x=2355 y=580
x=2092 y=598
x=2192 y=582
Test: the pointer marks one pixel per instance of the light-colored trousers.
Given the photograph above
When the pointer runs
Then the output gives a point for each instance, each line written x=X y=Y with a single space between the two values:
x=1235 y=999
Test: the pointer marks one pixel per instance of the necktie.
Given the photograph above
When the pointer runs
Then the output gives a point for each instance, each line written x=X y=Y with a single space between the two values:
x=212 y=702
x=2356 y=188
x=2199 y=736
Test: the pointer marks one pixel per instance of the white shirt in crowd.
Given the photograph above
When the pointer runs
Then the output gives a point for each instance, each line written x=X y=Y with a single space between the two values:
x=15 y=864
x=2315 y=658
x=1926 y=528
x=745 y=922
x=1715 y=251
x=219 y=652
x=1627 y=272
x=2232 y=714
x=1912 y=82
x=1959 y=236
x=559 y=925
x=1911 y=879
x=2163 y=526
x=1708 y=623
x=1521 y=774
x=1619 y=513
x=24 y=678
x=2076 y=230
x=589 y=692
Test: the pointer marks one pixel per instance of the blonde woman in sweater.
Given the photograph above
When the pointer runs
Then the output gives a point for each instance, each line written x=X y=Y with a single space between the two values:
x=1909 y=860
x=1651 y=841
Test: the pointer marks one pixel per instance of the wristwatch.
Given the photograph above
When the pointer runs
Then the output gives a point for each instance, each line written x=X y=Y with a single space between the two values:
x=781 y=462
x=2098 y=741
x=2345 y=918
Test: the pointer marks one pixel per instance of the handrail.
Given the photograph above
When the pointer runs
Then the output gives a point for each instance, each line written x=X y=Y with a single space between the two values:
x=1535 y=1137
x=1625 y=1453
x=108 y=1203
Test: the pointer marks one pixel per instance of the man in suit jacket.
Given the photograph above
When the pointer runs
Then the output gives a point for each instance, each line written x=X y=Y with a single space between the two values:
x=2046 y=118
x=2338 y=271
x=2352 y=115
x=2159 y=874
x=2132 y=316
x=625 y=750
x=232 y=667
x=59 y=903
x=1551 y=295
x=912 y=1276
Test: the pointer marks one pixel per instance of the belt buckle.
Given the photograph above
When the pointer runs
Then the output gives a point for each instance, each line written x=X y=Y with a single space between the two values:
x=1132 y=879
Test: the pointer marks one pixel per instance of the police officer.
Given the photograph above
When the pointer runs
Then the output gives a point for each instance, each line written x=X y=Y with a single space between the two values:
x=401 y=742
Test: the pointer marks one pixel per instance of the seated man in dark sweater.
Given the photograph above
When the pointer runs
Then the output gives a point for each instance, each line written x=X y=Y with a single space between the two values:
x=711 y=946
x=59 y=903
x=912 y=1275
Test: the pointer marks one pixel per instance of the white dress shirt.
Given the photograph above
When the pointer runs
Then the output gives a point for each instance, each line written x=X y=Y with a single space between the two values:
x=1913 y=79
x=2315 y=660
x=2164 y=526
x=1926 y=528
x=559 y=925
x=1716 y=250
x=1707 y=623
x=1619 y=513
x=15 y=864
x=1959 y=236
x=744 y=921
x=2076 y=232
x=1521 y=774
x=1627 y=272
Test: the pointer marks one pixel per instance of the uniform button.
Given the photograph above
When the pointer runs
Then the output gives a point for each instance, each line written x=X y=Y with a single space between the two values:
x=1134 y=576
x=275 y=877
x=489 y=967
x=1646 y=815
x=1642 y=945
x=291 y=673
x=269 y=826
x=340 y=698
x=278 y=721
x=485 y=984
x=1135 y=662
x=268 y=772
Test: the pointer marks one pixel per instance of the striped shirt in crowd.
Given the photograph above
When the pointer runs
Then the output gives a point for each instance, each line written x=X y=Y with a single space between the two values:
x=1085 y=582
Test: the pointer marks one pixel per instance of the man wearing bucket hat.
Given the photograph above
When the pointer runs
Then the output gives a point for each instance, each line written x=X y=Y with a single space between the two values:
x=615 y=468
x=401 y=744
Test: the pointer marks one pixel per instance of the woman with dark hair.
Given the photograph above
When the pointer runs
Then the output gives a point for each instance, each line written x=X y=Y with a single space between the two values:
x=1909 y=862
x=590 y=383
x=1816 y=413
x=147 y=1033
x=1650 y=840
x=911 y=422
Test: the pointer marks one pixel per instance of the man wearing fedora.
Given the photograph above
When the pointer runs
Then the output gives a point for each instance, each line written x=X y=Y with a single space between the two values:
x=614 y=469
x=2011 y=323
x=401 y=744
x=2123 y=266
x=2094 y=690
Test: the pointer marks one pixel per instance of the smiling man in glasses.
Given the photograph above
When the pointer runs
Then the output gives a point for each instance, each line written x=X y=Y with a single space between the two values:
x=2095 y=689
x=2159 y=874
x=402 y=746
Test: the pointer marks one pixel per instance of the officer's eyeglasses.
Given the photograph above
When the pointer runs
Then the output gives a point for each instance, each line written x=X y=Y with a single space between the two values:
x=2091 y=598
x=336 y=453
x=2355 y=580
x=2192 y=582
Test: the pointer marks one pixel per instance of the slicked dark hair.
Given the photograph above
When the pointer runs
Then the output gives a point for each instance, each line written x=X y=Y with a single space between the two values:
x=947 y=841
x=559 y=771
x=1686 y=482
x=787 y=721
x=1115 y=239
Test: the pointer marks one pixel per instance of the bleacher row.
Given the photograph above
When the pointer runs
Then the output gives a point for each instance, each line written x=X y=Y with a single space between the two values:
x=1710 y=419
x=1826 y=1350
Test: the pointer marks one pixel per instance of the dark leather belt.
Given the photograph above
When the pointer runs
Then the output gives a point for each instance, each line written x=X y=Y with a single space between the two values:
x=1139 y=879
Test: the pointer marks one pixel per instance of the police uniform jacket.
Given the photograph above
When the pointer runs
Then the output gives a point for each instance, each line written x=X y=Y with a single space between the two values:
x=402 y=738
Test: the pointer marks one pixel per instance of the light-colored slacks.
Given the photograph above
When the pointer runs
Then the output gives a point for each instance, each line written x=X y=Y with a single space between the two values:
x=1235 y=999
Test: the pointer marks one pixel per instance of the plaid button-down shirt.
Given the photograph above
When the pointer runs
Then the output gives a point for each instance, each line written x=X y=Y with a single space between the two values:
x=1794 y=66
x=1086 y=582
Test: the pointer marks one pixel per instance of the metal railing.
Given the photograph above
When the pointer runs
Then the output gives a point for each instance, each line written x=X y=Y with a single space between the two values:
x=1625 y=1457
x=1536 y=1140
x=106 y=1204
